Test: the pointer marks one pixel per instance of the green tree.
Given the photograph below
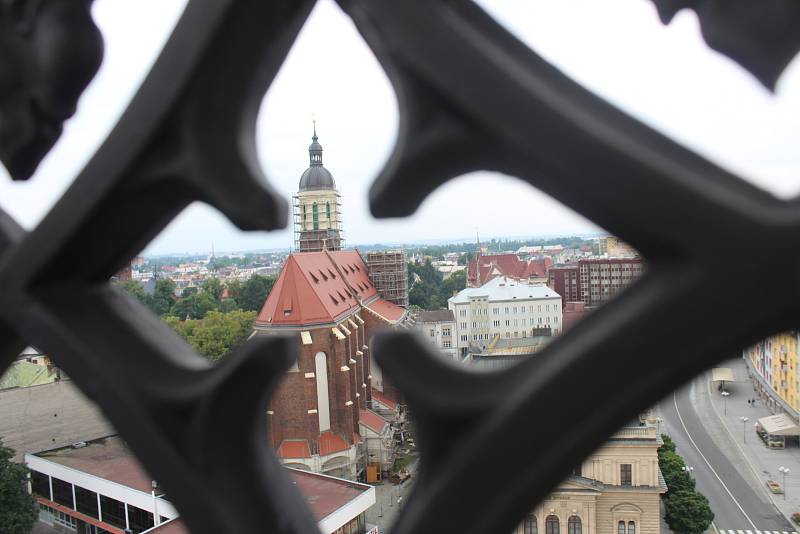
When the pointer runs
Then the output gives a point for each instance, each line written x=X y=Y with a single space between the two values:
x=668 y=446
x=195 y=306
x=464 y=258
x=217 y=334
x=688 y=512
x=135 y=289
x=213 y=286
x=18 y=509
x=254 y=292
x=234 y=290
x=188 y=291
x=163 y=296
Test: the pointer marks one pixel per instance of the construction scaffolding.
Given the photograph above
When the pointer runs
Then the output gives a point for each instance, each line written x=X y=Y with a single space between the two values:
x=328 y=235
x=389 y=274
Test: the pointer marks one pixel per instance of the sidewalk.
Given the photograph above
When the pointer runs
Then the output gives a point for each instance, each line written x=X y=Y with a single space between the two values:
x=762 y=462
x=385 y=510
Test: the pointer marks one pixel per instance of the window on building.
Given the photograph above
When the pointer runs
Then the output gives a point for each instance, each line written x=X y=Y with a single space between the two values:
x=140 y=520
x=631 y=527
x=551 y=525
x=506 y=310
x=508 y=322
x=40 y=484
x=328 y=210
x=445 y=331
x=113 y=511
x=315 y=216
x=625 y=474
x=62 y=493
x=433 y=332
x=86 y=502
x=529 y=526
x=574 y=525
x=446 y=344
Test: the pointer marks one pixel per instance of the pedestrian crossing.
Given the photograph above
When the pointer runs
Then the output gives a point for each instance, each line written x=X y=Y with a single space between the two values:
x=736 y=531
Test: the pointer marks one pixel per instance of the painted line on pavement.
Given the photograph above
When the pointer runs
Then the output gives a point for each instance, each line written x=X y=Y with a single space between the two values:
x=703 y=456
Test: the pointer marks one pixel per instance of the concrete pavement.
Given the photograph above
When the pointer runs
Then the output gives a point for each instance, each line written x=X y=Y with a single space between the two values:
x=390 y=499
x=703 y=442
x=761 y=462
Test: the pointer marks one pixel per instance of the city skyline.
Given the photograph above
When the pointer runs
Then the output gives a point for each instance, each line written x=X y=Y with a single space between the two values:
x=331 y=73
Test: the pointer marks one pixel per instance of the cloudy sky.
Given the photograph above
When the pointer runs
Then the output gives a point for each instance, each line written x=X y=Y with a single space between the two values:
x=664 y=76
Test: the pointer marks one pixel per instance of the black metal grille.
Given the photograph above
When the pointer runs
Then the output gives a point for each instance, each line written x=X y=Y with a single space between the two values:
x=471 y=97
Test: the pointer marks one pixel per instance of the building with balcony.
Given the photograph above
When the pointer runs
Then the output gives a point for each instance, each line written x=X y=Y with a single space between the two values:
x=772 y=364
x=615 y=490
x=99 y=487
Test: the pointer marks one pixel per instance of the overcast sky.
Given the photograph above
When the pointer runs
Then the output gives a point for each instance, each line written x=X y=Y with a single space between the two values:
x=664 y=76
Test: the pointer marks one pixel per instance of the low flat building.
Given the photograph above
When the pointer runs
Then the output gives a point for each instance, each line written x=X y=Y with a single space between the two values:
x=100 y=487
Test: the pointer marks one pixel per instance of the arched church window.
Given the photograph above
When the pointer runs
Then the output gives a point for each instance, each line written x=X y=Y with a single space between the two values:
x=631 y=527
x=551 y=525
x=315 y=216
x=574 y=525
x=621 y=527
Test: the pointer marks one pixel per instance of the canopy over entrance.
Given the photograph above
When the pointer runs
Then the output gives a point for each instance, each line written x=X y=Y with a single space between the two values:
x=779 y=425
x=722 y=374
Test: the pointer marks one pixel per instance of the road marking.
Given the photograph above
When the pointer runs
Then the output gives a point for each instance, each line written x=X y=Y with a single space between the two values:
x=680 y=418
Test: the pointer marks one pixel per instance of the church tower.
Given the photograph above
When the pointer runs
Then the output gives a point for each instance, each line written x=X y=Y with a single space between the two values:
x=317 y=206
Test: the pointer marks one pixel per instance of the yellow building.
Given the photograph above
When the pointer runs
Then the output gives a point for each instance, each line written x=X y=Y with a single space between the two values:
x=616 y=490
x=773 y=367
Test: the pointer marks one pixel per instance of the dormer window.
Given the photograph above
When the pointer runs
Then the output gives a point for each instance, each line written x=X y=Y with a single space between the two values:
x=336 y=302
x=316 y=280
x=324 y=276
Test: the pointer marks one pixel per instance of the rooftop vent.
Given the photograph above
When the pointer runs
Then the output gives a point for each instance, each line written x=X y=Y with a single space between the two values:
x=79 y=445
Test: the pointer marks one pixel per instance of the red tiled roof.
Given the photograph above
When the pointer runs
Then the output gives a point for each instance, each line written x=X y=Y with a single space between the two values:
x=311 y=289
x=480 y=271
x=371 y=420
x=330 y=443
x=379 y=397
x=296 y=448
x=388 y=310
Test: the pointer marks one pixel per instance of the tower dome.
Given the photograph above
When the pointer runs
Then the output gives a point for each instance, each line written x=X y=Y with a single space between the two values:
x=316 y=176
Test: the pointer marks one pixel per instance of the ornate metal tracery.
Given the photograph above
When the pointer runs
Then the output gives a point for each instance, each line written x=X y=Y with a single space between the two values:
x=471 y=97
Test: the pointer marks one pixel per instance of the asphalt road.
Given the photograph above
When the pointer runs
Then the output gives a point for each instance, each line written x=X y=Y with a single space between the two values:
x=736 y=505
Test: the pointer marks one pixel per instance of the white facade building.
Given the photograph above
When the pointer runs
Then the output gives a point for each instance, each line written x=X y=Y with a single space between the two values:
x=504 y=308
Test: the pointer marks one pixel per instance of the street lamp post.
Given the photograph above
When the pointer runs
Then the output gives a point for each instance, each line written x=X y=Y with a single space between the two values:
x=725 y=395
x=784 y=471
x=687 y=469
x=744 y=427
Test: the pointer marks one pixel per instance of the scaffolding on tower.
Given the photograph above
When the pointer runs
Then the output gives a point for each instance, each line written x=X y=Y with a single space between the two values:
x=329 y=235
x=389 y=274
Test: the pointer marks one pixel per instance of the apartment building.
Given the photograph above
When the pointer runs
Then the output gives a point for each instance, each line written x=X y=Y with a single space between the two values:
x=593 y=281
x=773 y=368
x=504 y=308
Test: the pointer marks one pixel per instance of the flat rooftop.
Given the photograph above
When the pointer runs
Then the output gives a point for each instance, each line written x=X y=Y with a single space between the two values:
x=325 y=494
x=110 y=459
x=107 y=458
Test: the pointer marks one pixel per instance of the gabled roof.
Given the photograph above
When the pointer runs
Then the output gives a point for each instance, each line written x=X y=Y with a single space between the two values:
x=294 y=448
x=390 y=312
x=504 y=289
x=373 y=421
x=317 y=288
x=485 y=268
x=330 y=443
